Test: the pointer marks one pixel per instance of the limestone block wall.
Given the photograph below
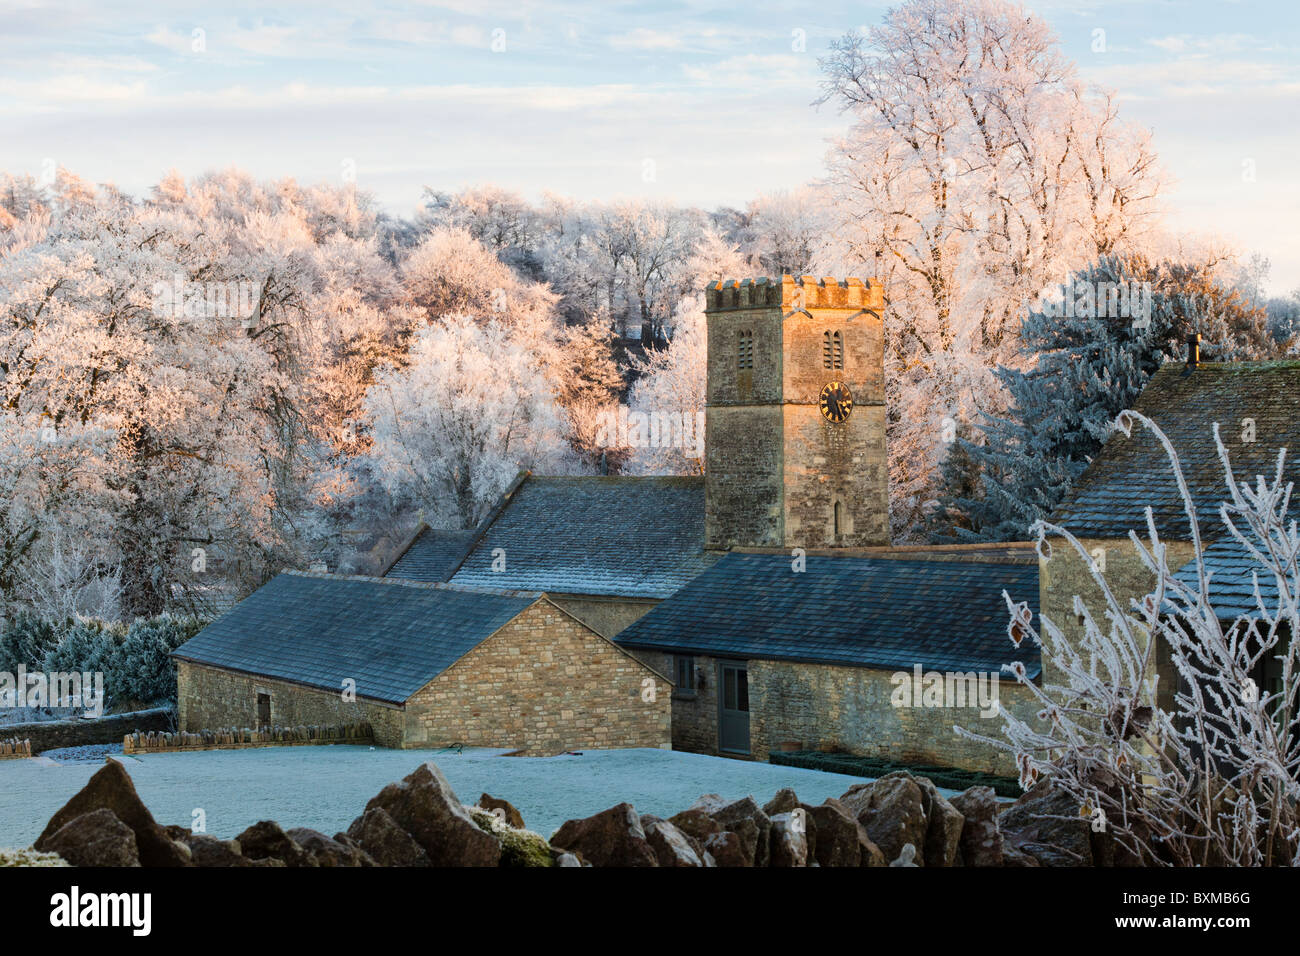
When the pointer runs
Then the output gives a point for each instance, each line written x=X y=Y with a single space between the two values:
x=605 y=616
x=826 y=464
x=821 y=707
x=695 y=716
x=208 y=697
x=543 y=684
x=743 y=484
x=743 y=424
x=1067 y=573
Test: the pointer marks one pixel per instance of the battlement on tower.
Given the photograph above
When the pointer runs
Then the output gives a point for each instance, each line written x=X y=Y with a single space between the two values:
x=792 y=293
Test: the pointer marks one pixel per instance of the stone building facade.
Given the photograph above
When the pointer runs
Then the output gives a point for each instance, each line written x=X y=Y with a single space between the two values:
x=768 y=657
x=819 y=707
x=799 y=706
x=1067 y=574
x=426 y=665
x=545 y=683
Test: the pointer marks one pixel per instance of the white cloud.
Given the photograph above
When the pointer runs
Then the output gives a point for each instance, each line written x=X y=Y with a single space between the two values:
x=1219 y=43
x=757 y=71
x=646 y=39
x=169 y=39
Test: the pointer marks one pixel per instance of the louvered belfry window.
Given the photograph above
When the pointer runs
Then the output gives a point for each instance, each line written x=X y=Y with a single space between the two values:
x=745 y=350
x=832 y=350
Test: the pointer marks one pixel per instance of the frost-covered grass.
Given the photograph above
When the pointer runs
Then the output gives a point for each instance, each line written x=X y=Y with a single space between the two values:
x=29 y=857
x=326 y=787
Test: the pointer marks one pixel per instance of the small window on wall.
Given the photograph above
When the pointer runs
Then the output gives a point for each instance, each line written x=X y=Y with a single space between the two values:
x=832 y=350
x=263 y=710
x=745 y=350
x=685 y=674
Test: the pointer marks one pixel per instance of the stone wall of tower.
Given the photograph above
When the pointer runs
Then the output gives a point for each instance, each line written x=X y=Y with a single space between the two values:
x=743 y=430
x=775 y=467
x=826 y=463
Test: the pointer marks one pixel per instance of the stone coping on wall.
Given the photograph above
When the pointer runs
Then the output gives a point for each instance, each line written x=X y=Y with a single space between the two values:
x=238 y=738
x=13 y=748
x=84 y=731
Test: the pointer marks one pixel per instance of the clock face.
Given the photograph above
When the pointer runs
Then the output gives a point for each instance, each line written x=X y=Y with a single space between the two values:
x=836 y=402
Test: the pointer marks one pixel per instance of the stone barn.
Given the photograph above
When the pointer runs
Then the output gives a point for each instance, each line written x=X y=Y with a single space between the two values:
x=427 y=665
x=876 y=656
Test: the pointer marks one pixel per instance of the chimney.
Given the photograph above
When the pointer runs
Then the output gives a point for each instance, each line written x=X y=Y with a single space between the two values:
x=1193 y=350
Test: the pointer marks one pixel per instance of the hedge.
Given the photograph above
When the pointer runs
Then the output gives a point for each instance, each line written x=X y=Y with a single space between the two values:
x=133 y=659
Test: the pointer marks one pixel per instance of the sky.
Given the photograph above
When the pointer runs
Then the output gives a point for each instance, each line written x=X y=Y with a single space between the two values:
x=699 y=102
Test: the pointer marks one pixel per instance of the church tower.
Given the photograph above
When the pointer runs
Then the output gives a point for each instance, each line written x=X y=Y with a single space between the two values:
x=795 y=420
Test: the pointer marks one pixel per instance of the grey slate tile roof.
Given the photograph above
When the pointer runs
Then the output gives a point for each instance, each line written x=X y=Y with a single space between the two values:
x=859 y=612
x=619 y=536
x=1232 y=587
x=434 y=555
x=391 y=637
x=1131 y=473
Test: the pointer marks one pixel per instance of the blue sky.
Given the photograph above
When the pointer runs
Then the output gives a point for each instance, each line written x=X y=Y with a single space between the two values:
x=576 y=97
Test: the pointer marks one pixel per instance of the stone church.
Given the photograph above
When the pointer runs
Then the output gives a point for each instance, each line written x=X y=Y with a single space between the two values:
x=762 y=603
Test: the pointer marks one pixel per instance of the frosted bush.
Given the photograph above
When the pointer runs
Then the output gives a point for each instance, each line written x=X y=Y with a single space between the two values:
x=1210 y=779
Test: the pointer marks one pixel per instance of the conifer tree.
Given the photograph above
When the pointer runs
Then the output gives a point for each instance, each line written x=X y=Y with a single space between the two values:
x=1097 y=344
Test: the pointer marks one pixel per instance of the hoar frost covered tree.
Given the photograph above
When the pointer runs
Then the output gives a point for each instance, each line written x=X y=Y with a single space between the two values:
x=453 y=426
x=672 y=387
x=177 y=435
x=1213 y=778
x=978 y=170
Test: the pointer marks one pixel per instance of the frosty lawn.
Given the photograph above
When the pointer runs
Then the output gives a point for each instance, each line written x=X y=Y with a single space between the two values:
x=326 y=788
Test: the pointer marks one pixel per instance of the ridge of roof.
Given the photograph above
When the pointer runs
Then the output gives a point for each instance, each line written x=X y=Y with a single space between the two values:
x=407 y=583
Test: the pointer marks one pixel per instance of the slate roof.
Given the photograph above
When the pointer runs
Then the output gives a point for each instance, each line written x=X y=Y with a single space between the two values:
x=433 y=555
x=1232 y=588
x=1131 y=473
x=391 y=637
x=617 y=536
x=859 y=612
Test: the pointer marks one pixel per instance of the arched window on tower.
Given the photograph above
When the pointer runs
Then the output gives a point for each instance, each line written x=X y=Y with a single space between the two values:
x=839 y=526
x=832 y=350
